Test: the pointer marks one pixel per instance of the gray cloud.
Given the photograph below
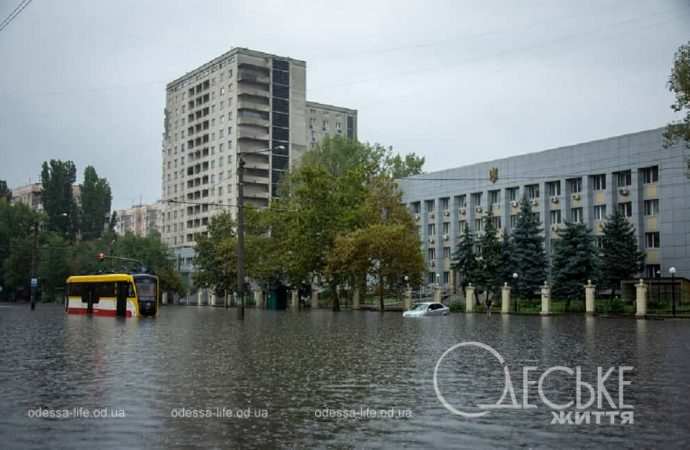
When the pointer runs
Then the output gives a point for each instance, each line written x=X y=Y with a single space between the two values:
x=458 y=82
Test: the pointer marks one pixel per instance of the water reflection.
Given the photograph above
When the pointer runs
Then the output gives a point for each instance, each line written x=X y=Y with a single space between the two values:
x=294 y=364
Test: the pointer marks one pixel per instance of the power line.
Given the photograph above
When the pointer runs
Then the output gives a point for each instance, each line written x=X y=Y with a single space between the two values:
x=13 y=15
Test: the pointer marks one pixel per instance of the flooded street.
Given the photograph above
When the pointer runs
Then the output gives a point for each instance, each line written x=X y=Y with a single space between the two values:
x=287 y=374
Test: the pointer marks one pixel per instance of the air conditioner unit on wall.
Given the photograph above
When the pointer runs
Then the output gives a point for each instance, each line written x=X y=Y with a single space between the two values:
x=431 y=240
x=416 y=216
x=623 y=191
x=535 y=202
x=478 y=209
x=432 y=215
x=576 y=196
x=555 y=199
x=446 y=237
x=446 y=213
x=463 y=211
x=514 y=203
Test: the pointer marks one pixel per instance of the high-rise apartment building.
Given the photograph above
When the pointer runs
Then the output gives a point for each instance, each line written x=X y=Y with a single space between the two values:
x=242 y=103
x=140 y=220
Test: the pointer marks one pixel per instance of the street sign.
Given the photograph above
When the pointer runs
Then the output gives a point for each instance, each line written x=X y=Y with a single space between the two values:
x=34 y=282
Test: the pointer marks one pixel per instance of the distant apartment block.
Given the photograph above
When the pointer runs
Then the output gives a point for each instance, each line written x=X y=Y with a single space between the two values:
x=246 y=103
x=328 y=120
x=634 y=174
x=31 y=195
x=140 y=220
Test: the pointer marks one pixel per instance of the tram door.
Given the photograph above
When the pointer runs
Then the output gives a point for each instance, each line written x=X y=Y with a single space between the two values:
x=121 y=306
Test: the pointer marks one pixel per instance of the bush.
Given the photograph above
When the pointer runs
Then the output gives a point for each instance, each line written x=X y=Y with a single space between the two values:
x=456 y=307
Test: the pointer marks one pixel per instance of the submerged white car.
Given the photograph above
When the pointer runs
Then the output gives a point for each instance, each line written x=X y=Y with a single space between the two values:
x=427 y=309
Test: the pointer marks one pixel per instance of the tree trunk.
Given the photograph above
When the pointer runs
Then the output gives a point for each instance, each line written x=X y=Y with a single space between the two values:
x=336 y=300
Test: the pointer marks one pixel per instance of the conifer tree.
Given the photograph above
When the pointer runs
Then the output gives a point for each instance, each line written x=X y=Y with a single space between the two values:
x=574 y=261
x=621 y=258
x=528 y=253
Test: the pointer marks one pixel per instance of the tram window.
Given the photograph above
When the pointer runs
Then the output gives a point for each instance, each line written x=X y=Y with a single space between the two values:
x=104 y=290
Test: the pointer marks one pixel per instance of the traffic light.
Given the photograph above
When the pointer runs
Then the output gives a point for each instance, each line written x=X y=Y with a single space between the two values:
x=100 y=257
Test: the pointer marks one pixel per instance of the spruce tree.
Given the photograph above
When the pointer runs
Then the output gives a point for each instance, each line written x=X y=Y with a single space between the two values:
x=490 y=263
x=621 y=258
x=507 y=261
x=574 y=261
x=528 y=254
x=464 y=258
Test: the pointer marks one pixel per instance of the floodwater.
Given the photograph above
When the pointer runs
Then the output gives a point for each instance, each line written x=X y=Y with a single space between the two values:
x=196 y=377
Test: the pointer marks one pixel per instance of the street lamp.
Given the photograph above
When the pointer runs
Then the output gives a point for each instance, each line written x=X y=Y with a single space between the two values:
x=672 y=271
x=240 y=222
x=515 y=278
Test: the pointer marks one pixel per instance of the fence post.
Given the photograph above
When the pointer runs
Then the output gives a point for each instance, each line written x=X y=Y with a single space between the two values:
x=355 y=298
x=505 y=299
x=589 y=297
x=545 y=299
x=640 y=299
x=469 y=298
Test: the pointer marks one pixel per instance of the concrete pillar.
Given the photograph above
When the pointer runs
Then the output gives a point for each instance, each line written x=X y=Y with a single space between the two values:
x=407 y=301
x=226 y=304
x=469 y=298
x=314 y=296
x=213 y=299
x=641 y=299
x=451 y=282
x=437 y=294
x=545 y=299
x=589 y=297
x=355 y=298
x=198 y=297
x=505 y=299
x=164 y=298
x=259 y=297
x=294 y=300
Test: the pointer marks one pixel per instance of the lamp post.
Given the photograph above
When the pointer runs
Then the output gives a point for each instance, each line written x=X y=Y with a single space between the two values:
x=672 y=271
x=240 y=222
x=515 y=278
x=658 y=286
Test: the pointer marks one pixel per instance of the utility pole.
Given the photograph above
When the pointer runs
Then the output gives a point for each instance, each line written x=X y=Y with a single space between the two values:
x=34 y=250
x=240 y=233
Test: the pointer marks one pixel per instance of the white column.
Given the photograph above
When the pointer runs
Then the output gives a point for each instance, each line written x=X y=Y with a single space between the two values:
x=259 y=298
x=545 y=299
x=469 y=298
x=212 y=301
x=437 y=294
x=164 y=298
x=294 y=304
x=407 y=305
x=198 y=297
x=314 y=296
x=505 y=299
x=641 y=299
x=355 y=298
x=589 y=297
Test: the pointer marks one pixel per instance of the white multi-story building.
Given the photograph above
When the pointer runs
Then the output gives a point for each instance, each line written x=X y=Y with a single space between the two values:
x=141 y=220
x=245 y=103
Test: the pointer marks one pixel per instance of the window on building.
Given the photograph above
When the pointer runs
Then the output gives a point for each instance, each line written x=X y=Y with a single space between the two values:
x=652 y=270
x=652 y=240
x=513 y=220
x=599 y=182
x=600 y=212
x=625 y=209
x=476 y=199
x=432 y=253
x=461 y=201
x=576 y=215
x=650 y=174
x=444 y=204
x=431 y=229
x=555 y=216
x=478 y=225
x=494 y=197
x=446 y=227
x=624 y=178
x=446 y=252
x=553 y=188
x=651 y=207
x=462 y=225
x=532 y=191
x=513 y=194
x=496 y=220
x=446 y=277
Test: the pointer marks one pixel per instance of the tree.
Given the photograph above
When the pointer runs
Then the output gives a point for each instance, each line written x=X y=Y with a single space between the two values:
x=5 y=192
x=621 y=258
x=57 y=178
x=507 y=259
x=679 y=85
x=16 y=222
x=489 y=265
x=406 y=166
x=529 y=257
x=96 y=198
x=464 y=258
x=53 y=266
x=574 y=261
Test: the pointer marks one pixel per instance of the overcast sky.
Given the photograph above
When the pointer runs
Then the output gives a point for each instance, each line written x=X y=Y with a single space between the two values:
x=456 y=81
